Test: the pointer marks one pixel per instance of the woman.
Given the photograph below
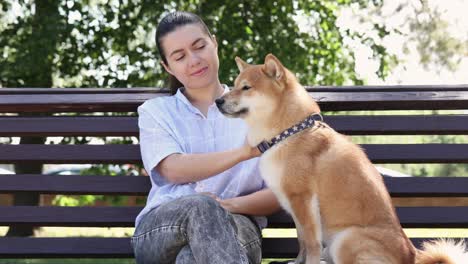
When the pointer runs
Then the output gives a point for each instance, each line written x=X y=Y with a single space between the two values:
x=207 y=197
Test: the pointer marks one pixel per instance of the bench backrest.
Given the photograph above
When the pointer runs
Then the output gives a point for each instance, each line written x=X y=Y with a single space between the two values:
x=42 y=112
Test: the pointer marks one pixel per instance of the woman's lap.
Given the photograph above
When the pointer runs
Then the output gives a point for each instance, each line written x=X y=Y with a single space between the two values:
x=198 y=221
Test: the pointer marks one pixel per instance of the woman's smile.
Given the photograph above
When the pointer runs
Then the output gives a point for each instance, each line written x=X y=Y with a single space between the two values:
x=199 y=72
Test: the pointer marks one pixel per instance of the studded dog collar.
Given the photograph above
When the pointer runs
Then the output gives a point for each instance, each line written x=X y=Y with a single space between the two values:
x=304 y=124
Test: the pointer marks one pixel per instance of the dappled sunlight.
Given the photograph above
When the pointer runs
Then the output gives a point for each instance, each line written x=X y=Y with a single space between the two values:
x=84 y=232
x=78 y=231
x=411 y=232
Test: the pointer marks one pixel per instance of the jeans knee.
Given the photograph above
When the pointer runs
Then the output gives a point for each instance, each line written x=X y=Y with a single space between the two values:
x=203 y=203
x=205 y=210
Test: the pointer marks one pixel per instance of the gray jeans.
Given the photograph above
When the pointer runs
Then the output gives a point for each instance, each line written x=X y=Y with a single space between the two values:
x=196 y=229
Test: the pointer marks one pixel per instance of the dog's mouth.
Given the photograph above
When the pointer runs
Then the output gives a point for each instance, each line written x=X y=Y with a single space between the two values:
x=242 y=112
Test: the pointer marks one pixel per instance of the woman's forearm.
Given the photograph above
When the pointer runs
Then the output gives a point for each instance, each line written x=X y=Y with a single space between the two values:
x=185 y=168
x=259 y=203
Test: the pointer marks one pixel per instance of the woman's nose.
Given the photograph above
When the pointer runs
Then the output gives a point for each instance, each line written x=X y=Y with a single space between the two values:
x=194 y=59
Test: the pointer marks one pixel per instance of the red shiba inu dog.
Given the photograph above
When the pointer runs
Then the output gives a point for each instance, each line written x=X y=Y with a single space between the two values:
x=328 y=185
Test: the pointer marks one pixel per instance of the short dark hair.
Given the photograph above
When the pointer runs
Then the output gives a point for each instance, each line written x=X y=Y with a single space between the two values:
x=168 y=24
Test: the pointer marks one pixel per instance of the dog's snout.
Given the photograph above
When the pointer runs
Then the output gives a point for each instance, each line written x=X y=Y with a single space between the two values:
x=219 y=101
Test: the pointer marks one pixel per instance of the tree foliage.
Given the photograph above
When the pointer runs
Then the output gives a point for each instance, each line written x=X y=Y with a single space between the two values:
x=421 y=29
x=436 y=46
x=111 y=43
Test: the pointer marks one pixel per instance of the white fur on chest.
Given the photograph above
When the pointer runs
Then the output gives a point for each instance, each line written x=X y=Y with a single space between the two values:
x=272 y=172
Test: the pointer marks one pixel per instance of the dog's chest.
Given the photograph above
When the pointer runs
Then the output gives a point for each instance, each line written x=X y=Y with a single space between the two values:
x=273 y=171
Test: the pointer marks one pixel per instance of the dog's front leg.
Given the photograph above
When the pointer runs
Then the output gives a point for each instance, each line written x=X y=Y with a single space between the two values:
x=308 y=224
x=301 y=257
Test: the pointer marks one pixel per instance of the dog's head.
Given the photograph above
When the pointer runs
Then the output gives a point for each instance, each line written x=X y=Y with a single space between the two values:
x=257 y=90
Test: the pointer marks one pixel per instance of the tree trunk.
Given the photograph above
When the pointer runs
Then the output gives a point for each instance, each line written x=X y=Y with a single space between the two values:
x=40 y=48
x=26 y=198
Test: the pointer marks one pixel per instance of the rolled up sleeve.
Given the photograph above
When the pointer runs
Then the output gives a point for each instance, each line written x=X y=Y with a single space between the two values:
x=156 y=143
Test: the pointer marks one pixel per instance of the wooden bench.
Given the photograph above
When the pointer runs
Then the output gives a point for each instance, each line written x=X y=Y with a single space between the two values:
x=20 y=103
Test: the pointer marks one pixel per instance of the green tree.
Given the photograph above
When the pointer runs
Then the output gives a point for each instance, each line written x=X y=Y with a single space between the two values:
x=110 y=43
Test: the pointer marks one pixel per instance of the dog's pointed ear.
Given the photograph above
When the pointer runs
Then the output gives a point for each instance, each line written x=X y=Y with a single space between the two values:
x=273 y=67
x=242 y=65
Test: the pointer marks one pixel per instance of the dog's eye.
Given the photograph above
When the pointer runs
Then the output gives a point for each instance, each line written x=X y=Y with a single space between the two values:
x=246 y=87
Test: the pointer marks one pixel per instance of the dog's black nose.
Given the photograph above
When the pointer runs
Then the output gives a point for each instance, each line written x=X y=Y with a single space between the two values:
x=219 y=101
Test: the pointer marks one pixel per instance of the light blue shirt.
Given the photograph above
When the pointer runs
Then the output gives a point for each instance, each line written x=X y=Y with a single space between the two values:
x=171 y=124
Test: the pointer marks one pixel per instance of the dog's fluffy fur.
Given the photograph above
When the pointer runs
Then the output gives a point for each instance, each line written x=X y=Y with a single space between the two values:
x=326 y=182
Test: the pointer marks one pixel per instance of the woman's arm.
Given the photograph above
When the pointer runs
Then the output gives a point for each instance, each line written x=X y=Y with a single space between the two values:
x=259 y=203
x=184 y=168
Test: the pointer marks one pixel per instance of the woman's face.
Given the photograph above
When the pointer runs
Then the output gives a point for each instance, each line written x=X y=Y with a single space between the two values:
x=192 y=56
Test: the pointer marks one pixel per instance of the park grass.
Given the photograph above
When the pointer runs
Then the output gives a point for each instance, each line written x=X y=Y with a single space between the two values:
x=126 y=232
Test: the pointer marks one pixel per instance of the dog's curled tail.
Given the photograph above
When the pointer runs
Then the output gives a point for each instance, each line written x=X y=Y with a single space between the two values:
x=442 y=251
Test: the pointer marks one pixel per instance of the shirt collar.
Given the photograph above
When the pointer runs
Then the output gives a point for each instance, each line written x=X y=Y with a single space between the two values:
x=181 y=96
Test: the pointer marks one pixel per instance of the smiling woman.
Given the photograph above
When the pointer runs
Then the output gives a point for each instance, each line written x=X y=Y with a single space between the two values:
x=192 y=59
x=207 y=202
x=190 y=49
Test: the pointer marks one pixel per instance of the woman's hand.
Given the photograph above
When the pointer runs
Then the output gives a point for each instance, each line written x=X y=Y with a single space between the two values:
x=232 y=205
x=250 y=152
x=259 y=203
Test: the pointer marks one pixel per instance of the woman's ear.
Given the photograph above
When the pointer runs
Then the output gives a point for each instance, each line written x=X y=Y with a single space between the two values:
x=166 y=67
x=213 y=37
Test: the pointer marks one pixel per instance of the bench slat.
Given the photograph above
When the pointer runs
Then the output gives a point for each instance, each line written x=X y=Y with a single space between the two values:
x=133 y=90
x=400 y=98
x=289 y=247
x=69 y=126
x=427 y=186
x=128 y=126
x=102 y=216
x=20 y=247
x=75 y=184
x=119 y=154
x=73 y=102
x=62 y=154
x=400 y=125
x=417 y=153
x=410 y=217
x=421 y=217
x=140 y=185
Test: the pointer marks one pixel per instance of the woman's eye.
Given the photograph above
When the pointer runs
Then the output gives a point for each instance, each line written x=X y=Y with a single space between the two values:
x=179 y=58
x=201 y=47
x=246 y=87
